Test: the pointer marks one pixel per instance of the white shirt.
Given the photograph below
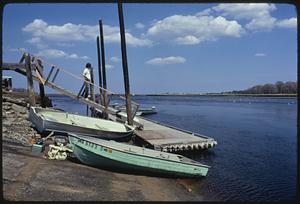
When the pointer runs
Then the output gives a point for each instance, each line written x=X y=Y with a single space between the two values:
x=87 y=74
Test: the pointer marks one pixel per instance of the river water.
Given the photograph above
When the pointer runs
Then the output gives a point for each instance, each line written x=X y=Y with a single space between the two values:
x=256 y=155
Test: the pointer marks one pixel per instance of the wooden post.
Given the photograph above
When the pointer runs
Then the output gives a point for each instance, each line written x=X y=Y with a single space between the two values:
x=105 y=102
x=125 y=66
x=30 y=89
x=92 y=91
x=99 y=70
x=41 y=85
x=42 y=95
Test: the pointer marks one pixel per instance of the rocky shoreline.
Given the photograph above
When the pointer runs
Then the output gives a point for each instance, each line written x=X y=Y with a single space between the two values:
x=15 y=123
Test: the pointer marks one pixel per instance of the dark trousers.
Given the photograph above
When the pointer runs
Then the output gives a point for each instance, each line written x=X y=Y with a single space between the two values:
x=85 y=92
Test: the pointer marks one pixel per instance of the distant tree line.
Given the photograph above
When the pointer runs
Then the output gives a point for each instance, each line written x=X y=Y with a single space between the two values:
x=279 y=87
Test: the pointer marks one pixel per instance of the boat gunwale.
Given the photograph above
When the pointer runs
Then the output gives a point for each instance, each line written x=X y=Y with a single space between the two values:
x=154 y=157
x=45 y=119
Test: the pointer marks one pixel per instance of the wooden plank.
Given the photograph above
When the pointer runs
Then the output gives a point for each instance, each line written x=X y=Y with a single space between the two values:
x=12 y=66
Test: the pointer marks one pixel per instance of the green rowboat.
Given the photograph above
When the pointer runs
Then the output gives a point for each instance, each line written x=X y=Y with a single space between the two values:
x=109 y=154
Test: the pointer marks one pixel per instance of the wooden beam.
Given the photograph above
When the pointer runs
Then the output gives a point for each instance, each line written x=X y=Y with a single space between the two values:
x=30 y=89
x=125 y=65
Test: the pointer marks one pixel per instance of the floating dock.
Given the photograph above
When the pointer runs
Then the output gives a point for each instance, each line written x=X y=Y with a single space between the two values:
x=171 y=139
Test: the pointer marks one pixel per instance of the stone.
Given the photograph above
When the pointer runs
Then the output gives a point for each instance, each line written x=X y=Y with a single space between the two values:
x=4 y=114
x=7 y=123
x=10 y=112
x=6 y=107
x=18 y=108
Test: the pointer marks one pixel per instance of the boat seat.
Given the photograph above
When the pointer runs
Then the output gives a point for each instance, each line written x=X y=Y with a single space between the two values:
x=102 y=128
x=76 y=123
x=50 y=118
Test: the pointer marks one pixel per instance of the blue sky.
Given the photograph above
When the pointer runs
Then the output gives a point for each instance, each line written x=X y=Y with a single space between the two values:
x=194 y=48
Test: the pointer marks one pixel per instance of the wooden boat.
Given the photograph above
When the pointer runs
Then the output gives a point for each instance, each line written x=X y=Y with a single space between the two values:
x=141 y=111
x=63 y=122
x=147 y=111
x=113 y=155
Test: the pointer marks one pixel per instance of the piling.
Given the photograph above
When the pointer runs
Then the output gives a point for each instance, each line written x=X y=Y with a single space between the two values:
x=125 y=65
x=92 y=91
x=39 y=67
x=31 y=95
x=105 y=101
x=99 y=71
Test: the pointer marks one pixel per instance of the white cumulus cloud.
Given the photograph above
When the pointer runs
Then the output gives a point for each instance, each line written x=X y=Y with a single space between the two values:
x=55 y=53
x=287 y=23
x=52 y=53
x=190 y=29
x=17 y=49
x=205 y=12
x=187 y=40
x=258 y=15
x=37 y=42
x=139 y=25
x=34 y=40
x=114 y=59
x=166 y=60
x=79 y=32
x=109 y=66
x=245 y=10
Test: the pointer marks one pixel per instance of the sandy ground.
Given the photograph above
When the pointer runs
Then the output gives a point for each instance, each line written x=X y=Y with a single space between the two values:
x=30 y=177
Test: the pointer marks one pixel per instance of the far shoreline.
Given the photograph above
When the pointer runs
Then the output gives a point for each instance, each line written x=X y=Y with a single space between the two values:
x=206 y=94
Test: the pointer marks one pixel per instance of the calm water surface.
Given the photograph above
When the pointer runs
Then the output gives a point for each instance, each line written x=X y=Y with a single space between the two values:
x=255 y=158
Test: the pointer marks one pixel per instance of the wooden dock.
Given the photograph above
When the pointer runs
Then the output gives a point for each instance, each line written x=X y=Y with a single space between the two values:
x=154 y=134
x=171 y=139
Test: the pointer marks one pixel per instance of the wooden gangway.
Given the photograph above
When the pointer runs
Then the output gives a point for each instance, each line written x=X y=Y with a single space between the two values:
x=49 y=81
x=157 y=135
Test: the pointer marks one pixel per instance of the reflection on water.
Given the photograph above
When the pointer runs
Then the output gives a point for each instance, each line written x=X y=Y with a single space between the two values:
x=255 y=159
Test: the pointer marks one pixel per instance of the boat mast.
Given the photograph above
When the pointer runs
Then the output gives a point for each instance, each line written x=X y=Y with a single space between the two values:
x=125 y=66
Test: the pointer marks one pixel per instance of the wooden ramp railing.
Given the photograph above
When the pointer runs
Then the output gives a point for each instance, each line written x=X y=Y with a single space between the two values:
x=37 y=74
